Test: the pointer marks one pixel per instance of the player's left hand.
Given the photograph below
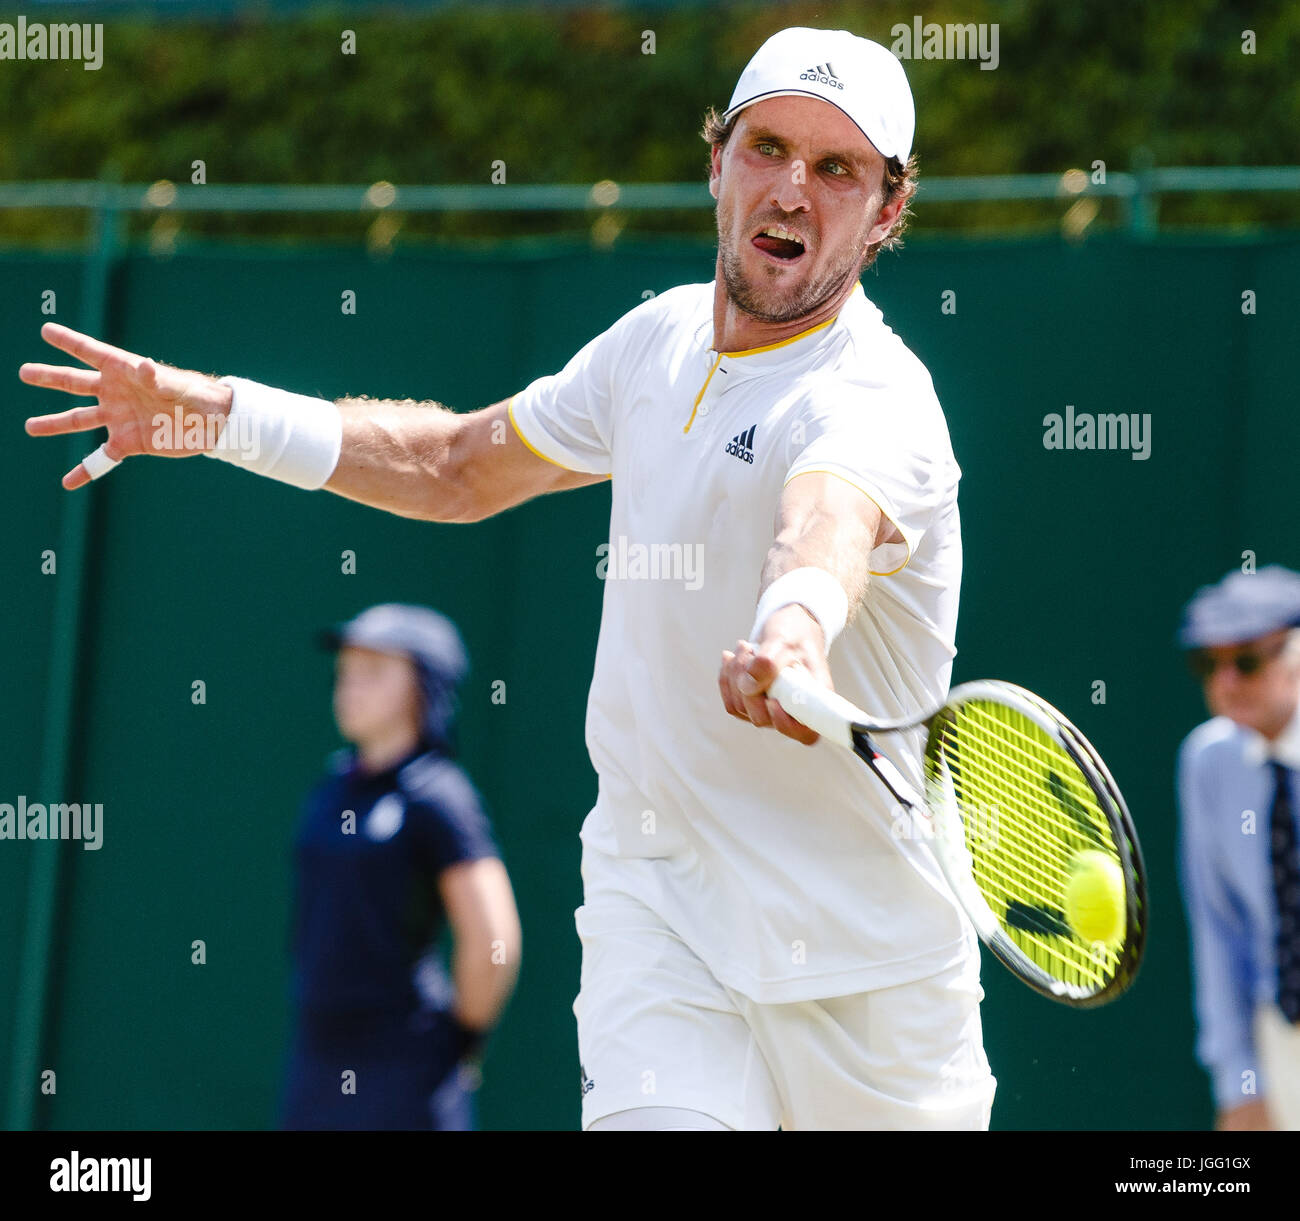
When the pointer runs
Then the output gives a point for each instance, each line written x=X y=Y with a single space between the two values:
x=791 y=636
x=137 y=396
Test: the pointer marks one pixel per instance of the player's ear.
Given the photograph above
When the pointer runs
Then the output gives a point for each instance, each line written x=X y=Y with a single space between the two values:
x=885 y=220
x=715 y=171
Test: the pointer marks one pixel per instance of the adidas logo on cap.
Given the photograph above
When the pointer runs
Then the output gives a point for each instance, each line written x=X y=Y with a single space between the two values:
x=823 y=74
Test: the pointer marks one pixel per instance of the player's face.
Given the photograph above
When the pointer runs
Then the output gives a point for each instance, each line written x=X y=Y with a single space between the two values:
x=804 y=166
x=376 y=695
x=1263 y=700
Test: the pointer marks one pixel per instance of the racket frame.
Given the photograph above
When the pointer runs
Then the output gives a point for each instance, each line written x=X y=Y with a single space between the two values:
x=847 y=726
x=949 y=826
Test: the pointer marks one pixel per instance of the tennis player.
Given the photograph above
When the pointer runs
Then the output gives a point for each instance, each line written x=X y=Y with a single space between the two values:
x=765 y=943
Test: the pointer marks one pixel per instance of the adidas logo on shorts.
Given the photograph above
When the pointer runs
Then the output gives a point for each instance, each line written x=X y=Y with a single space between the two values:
x=742 y=445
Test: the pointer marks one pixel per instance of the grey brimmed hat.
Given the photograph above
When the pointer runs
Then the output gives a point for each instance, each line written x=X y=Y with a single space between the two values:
x=1243 y=606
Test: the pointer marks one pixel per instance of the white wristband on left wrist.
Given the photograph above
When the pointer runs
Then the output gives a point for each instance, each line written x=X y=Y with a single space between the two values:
x=284 y=436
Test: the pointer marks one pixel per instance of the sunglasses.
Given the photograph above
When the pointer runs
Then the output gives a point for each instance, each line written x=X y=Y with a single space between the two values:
x=1247 y=662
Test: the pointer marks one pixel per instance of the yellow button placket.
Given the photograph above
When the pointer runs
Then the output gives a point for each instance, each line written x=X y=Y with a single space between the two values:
x=714 y=385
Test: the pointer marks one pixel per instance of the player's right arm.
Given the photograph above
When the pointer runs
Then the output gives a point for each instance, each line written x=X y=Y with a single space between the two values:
x=417 y=460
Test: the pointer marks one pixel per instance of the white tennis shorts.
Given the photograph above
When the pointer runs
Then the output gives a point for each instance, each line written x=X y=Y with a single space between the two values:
x=656 y=1029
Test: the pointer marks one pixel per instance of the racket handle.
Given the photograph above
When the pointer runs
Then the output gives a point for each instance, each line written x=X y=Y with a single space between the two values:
x=811 y=704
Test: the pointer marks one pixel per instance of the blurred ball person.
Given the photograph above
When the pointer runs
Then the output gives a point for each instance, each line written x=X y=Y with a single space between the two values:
x=393 y=844
x=1240 y=872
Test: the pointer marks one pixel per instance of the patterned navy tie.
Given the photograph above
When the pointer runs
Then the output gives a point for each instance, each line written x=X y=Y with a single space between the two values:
x=1286 y=888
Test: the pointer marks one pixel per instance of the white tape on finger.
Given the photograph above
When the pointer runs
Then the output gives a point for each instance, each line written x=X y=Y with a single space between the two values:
x=99 y=463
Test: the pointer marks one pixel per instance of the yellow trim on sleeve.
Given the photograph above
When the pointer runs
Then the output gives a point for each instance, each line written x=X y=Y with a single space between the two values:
x=821 y=470
x=893 y=571
x=510 y=411
x=695 y=407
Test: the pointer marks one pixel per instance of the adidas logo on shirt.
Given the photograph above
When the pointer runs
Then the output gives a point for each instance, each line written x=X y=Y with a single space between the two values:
x=742 y=445
x=823 y=74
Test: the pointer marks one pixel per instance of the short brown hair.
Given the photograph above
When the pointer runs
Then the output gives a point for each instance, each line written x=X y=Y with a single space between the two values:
x=900 y=180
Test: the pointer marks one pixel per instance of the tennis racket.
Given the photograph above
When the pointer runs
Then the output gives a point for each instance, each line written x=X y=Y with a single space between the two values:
x=1013 y=792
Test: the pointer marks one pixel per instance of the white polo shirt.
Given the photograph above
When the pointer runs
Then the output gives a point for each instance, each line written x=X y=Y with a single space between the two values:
x=782 y=866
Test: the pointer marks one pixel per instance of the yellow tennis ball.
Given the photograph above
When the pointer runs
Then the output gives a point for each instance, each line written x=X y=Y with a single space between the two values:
x=1094 y=898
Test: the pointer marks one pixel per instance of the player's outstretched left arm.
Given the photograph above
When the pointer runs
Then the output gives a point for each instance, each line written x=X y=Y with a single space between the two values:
x=825 y=532
x=418 y=460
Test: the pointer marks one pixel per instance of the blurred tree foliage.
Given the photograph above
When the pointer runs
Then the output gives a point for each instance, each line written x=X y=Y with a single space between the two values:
x=570 y=96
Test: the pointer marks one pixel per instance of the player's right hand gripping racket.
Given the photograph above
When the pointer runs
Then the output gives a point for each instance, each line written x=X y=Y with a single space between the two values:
x=1013 y=793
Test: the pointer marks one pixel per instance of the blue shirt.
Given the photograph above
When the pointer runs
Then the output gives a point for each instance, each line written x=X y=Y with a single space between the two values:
x=1225 y=788
x=368 y=912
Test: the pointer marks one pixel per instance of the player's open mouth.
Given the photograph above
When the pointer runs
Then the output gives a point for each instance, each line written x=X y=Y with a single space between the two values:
x=779 y=243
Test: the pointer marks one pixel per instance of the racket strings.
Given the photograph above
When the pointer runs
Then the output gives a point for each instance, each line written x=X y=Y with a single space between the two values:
x=1040 y=822
x=1026 y=810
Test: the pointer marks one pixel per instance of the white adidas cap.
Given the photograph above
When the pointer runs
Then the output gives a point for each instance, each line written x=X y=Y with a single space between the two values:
x=859 y=76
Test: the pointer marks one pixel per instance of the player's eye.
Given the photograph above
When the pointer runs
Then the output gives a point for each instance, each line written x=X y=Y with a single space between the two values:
x=766 y=147
x=837 y=169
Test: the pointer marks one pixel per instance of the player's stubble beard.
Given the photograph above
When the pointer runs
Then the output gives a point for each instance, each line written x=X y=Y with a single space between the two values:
x=769 y=304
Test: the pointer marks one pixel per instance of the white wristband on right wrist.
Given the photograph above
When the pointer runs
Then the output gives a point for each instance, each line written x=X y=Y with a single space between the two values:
x=284 y=436
x=816 y=590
